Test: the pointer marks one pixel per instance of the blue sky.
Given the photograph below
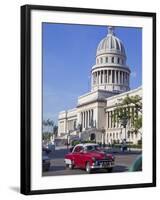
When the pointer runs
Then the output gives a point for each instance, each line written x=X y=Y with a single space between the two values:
x=68 y=56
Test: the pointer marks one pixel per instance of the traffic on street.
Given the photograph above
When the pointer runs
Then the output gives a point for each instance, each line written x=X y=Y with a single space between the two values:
x=123 y=161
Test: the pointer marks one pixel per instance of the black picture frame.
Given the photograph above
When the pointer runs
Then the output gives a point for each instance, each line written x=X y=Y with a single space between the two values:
x=26 y=86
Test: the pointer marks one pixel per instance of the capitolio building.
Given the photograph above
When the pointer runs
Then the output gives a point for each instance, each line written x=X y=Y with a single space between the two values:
x=110 y=83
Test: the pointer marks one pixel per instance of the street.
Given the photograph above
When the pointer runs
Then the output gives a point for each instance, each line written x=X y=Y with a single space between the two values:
x=123 y=160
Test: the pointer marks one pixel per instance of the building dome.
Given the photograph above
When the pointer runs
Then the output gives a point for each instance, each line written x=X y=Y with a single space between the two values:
x=110 y=44
x=110 y=72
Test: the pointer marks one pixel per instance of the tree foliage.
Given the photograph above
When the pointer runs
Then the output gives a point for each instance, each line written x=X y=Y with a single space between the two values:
x=123 y=112
x=49 y=129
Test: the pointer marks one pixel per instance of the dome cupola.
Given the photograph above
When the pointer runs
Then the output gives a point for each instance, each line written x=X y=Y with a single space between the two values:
x=111 y=44
x=110 y=71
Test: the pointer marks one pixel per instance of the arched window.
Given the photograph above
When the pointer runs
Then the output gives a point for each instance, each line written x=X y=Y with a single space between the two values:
x=118 y=60
x=112 y=59
x=106 y=59
x=101 y=60
x=97 y=61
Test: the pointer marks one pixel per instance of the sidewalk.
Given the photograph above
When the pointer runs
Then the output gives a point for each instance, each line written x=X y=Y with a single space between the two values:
x=118 y=150
x=60 y=147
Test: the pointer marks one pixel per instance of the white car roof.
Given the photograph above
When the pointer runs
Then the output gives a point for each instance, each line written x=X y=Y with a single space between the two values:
x=87 y=144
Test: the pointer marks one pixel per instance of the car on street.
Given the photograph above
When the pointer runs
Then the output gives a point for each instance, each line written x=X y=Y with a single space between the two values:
x=136 y=165
x=45 y=161
x=51 y=147
x=47 y=150
x=90 y=157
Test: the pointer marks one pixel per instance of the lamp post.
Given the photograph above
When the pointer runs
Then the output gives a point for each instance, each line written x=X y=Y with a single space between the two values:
x=103 y=137
x=79 y=128
x=68 y=138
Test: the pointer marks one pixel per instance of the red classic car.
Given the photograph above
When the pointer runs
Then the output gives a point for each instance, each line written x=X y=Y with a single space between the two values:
x=89 y=157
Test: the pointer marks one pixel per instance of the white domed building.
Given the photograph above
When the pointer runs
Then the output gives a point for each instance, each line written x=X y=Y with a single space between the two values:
x=109 y=84
x=110 y=71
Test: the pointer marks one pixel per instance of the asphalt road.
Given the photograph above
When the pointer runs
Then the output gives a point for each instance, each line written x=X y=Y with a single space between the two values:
x=123 y=160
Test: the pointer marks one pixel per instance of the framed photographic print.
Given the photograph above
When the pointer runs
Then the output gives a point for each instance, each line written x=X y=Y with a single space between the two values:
x=88 y=99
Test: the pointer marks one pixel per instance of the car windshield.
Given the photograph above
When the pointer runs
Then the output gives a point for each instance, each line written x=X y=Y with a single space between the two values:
x=92 y=148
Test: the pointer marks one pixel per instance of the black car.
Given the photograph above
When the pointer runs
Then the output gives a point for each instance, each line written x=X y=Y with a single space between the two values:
x=46 y=150
x=45 y=161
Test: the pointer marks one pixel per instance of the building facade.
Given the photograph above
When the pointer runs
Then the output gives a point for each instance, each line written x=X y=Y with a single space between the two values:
x=92 y=119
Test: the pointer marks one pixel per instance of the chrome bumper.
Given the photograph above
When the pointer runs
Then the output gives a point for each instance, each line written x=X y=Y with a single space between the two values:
x=102 y=165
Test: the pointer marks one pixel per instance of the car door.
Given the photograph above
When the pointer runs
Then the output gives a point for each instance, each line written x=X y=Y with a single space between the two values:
x=81 y=157
x=76 y=156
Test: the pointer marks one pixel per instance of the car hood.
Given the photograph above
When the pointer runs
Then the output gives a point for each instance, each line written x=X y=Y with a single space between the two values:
x=99 y=155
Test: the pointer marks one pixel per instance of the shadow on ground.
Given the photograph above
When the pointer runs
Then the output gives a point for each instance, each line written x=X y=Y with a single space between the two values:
x=15 y=189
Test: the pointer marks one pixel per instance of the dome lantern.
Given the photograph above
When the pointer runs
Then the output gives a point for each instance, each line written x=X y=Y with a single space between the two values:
x=110 y=71
x=111 y=30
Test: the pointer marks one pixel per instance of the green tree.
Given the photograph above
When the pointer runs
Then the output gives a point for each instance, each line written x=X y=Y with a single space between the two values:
x=49 y=129
x=123 y=112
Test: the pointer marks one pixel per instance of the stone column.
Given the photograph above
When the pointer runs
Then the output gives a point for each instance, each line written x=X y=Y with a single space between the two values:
x=106 y=76
x=109 y=114
x=97 y=77
x=115 y=74
x=81 y=118
x=92 y=116
x=122 y=77
x=119 y=80
x=107 y=119
x=111 y=81
x=88 y=119
x=103 y=76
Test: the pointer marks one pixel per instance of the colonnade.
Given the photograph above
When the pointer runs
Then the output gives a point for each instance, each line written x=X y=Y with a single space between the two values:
x=112 y=121
x=87 y=118
x=110 y=76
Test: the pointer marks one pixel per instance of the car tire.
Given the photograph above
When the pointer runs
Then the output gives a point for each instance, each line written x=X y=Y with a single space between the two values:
x=88 y=168
x=67 y=166
x=110 y=169
x=71 y=166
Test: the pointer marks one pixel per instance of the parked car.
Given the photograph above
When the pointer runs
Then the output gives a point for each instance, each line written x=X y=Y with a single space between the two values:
x=45 y=161
x=51 y=147
x=46 y=149
x=136 y=165
x=89 y=156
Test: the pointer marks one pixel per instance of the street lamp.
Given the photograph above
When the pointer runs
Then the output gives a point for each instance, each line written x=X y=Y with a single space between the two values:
x=79 y=129
x=68 y=138
x=103 y=137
